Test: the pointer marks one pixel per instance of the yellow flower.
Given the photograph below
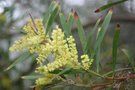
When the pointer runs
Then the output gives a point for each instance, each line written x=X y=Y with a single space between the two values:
x=32 y=39
x=63 y=50
x=47 y=79
x=86 y=62
x=43 y=81
x=73 y=61
x=33 y=30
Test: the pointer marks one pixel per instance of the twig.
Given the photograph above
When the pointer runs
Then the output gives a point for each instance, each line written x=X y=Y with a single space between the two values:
x=132 y=76
x=35 y=28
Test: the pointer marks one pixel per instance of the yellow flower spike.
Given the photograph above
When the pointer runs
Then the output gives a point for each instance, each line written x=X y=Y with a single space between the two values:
x=40 y=27
x=62 y=49
x=30 y=28
x=30 y=40
x=86 y=62
x=73 y=53
x=46 y=80
x=43 y=53
x=43 y=81
x=64 y=54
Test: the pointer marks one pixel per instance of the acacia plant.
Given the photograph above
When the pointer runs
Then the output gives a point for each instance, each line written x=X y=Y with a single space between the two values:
x=59 y=63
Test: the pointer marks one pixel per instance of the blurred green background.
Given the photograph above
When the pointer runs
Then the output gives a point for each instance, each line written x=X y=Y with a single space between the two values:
x=14 y=15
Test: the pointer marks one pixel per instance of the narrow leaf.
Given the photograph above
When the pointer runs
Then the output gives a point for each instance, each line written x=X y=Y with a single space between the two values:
x=51 y=18
x=80 y=31
x=63 y=23
x=70 y=22
x=100 y=37
x=31 y=77
x=117 y=70
x=98 y=52
x=21 y=58
x=109 y=5
x=50 y=9
x=90 y=35
x=66 y=24
x=64 y=71
x=115 y=45
x=103 y=30
x=129 y=57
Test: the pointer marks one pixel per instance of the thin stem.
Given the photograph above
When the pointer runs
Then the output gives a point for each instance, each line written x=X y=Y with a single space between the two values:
x=97 y=74
x=118 y=70
x=35 y=28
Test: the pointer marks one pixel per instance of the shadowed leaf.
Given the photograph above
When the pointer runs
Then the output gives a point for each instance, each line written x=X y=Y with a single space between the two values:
x=80 y=30
x=115 y=45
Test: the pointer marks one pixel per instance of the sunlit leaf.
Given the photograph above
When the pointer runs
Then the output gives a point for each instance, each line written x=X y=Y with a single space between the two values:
x=32 y=76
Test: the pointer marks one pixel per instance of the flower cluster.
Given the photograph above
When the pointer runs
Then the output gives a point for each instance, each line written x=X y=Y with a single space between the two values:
x=34 y=36
x=45 y=80
x=86 y=62
x=63 y=50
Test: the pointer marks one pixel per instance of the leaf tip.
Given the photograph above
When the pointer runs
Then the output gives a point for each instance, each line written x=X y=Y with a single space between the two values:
x=101 y=17
x=54 y=1
x=118 y=25
x=7 y=69
x=58 y=5
x=35 y=88
x=60 y=14
x=72 y=11
x=22 y=77
x=97 y=10
x=76 y=15
x=111 y=10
